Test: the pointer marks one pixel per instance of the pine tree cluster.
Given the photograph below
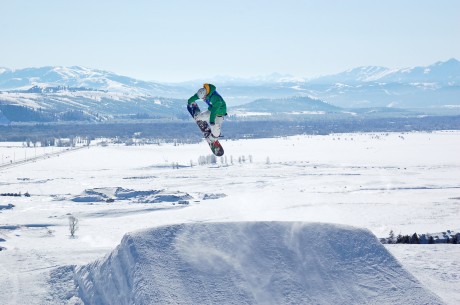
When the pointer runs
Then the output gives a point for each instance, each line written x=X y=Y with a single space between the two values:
x=447 y=237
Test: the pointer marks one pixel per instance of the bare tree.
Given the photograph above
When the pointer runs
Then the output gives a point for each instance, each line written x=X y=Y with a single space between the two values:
x=391 y=237
x=73 y=225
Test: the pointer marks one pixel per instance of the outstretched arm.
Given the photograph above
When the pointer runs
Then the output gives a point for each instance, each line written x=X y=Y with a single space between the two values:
x=193 y=99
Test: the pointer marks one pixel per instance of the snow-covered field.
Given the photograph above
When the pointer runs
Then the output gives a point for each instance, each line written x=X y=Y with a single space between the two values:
x=402 y=182
x=16 y=153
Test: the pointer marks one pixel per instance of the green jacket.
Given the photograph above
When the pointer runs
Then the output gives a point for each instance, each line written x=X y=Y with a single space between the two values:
x=216 y=103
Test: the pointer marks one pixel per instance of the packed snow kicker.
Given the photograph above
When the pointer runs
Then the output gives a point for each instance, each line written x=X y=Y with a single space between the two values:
x=250 y=263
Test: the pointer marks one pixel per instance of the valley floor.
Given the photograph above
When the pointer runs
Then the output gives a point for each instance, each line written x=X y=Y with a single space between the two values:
x=405 y=182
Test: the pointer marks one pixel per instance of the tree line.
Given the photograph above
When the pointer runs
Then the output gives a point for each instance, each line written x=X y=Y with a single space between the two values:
x=232 y=129
x=448 y=237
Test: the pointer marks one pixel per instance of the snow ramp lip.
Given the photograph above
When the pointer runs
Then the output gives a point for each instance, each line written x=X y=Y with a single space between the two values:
x=249 y=263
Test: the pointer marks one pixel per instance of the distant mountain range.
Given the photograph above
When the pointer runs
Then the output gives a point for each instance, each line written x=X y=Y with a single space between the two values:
x=75 y=77
x=106 y=95
x=441 y=73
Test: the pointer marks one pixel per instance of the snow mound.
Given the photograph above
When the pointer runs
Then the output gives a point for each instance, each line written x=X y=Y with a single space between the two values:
x=119 y=193
x=250 y=263
x=9 y=206
x=213 y=196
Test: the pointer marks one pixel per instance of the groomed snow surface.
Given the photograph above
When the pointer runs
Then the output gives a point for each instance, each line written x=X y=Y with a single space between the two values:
x=295 y=221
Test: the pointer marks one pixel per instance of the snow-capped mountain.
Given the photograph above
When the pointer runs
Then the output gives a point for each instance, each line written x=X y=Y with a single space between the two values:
x=86 y=106
x=442 y=72
x=351 y=76
x=78 y=93
x=255 y=80
x=63 y=89
x=433 y=86
x=436 y=85
x=288 y=105
x=44 y=77
x=447 y=72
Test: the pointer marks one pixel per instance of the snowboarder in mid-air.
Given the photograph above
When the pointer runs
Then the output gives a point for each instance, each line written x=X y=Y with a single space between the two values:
x=217 y=109
x=210 y=121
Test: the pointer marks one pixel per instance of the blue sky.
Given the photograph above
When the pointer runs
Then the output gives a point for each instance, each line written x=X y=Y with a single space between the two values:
x=178 y=40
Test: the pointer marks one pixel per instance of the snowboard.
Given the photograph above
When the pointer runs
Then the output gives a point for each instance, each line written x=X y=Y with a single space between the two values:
x=215 y=146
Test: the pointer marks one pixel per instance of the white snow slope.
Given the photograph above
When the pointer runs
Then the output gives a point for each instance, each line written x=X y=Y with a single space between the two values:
x=404 y=182
x=250 y=263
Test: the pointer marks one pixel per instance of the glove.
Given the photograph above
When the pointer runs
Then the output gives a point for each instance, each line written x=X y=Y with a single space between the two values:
x=212 y=123
x=193 y=104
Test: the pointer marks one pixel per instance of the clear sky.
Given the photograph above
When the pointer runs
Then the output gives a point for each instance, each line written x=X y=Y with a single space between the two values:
x=176 y=40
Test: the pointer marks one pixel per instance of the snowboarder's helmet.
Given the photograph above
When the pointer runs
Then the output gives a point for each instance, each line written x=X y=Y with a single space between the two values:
x=201 y=93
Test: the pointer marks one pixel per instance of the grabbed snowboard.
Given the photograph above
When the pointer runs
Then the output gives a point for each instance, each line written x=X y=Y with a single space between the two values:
x=215 y=146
